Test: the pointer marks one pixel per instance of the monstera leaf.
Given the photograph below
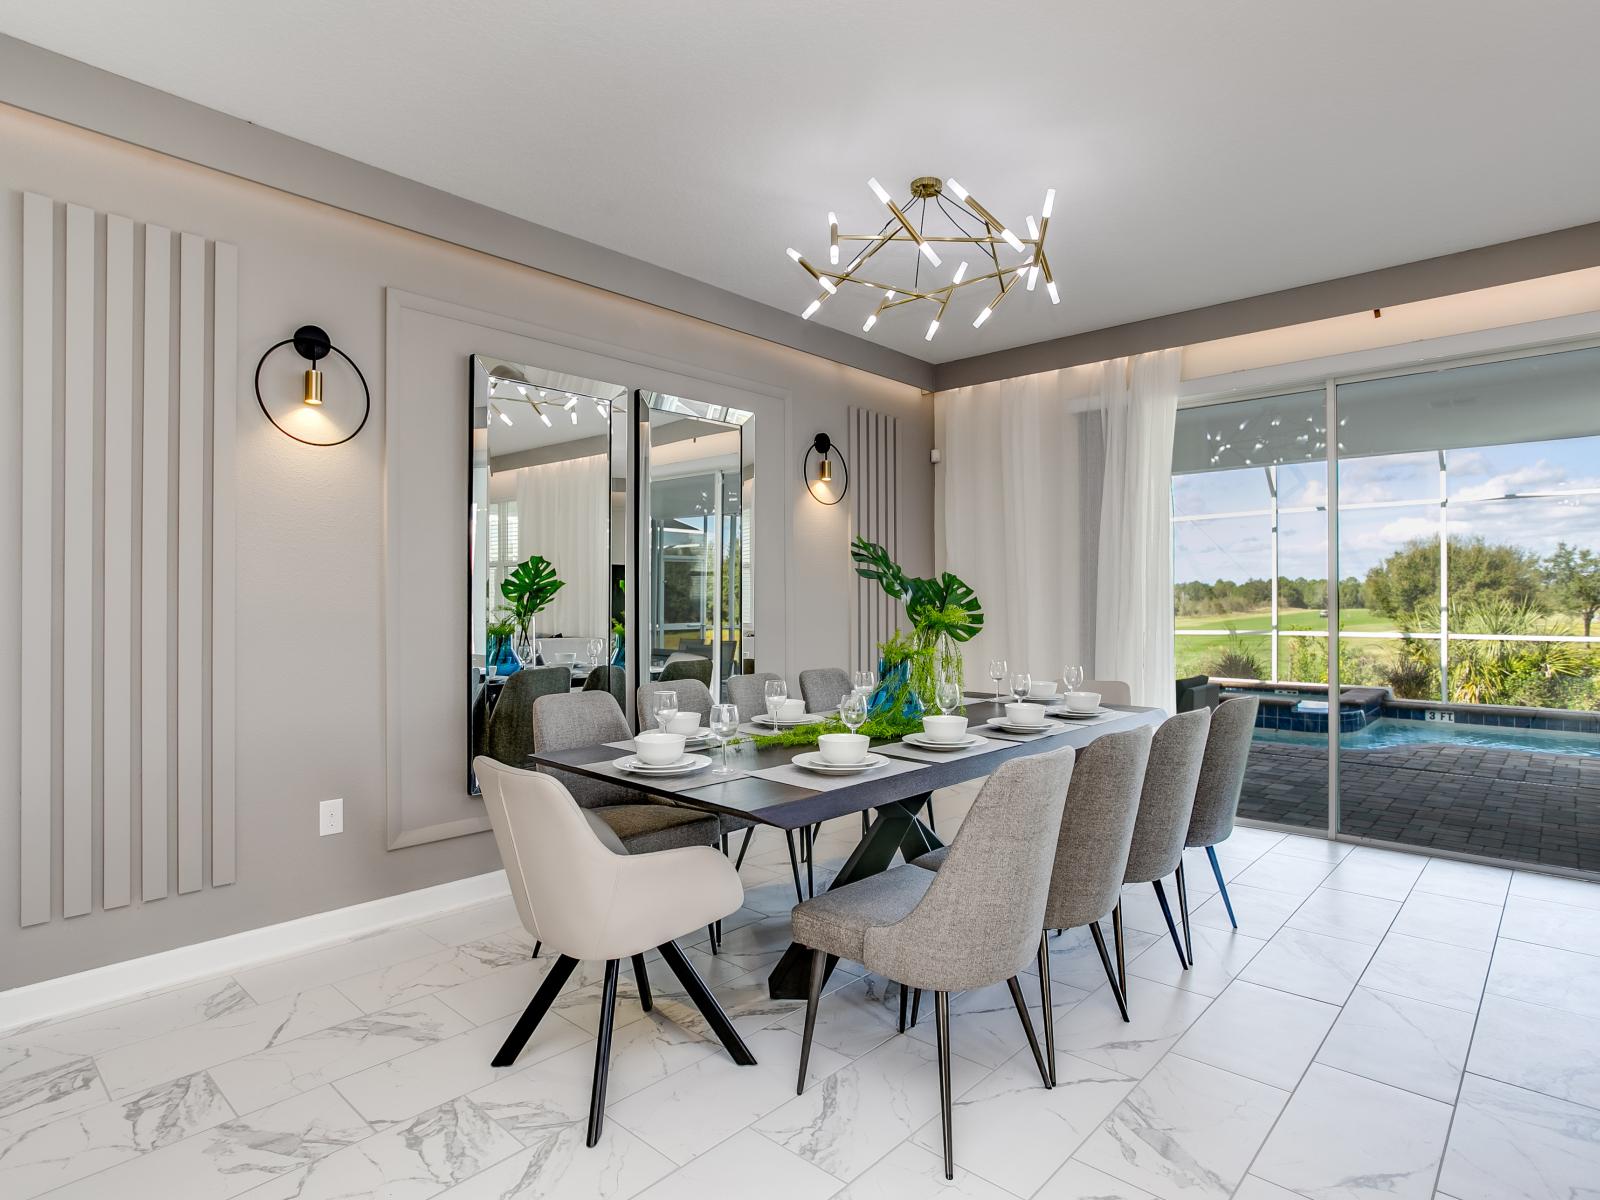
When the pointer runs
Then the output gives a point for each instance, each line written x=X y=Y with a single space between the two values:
x=530 y=588
x=873 y=562
x=946 y=605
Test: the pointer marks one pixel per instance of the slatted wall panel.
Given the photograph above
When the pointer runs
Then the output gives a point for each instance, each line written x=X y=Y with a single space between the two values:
x=873 y=451
x=129 y=394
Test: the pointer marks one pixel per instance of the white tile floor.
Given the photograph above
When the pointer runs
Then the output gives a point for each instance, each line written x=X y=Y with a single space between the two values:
x=1379 y=1025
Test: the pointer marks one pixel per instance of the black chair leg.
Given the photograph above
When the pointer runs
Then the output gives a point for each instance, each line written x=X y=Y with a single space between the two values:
x=1183 y=914
x=1216 y=869
x=560 y=972
x=724 y=845
x=1027 y=1028
x=864 y=823
x=1172 y=928
x=536 y=946
x=1122 y=949
x=941 y=1010
x=933 y=825
x=819 y=970
x=811 y=861
x=1111 y=975
x=602 y=1053
x=1045 y=1003
x=707 y=1004
x=711 y=932
x=916 y=1005
x=738 y=863
x=905 y=995
x=642 y=979
x=794 y=868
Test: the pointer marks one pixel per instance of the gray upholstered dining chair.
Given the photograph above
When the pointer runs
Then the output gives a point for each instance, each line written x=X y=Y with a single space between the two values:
x=1166 y=803
x=823 y=688
x=973 y=923
x=687 y=666
x=509 y=737
x=1112 y=691
x=611 y=679
x=692 y=696
x=748 y=693
x=576 y=888
x=1216 y=796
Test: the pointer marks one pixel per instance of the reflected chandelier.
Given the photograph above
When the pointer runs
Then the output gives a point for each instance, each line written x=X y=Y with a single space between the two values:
x=974 y=226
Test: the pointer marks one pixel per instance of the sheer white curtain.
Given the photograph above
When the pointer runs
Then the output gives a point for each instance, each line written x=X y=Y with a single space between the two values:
x=564 y=513
x=1054 y=507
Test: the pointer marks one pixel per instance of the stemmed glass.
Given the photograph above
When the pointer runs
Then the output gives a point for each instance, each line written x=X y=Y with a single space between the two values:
x=853 y=710
x=866 y=681
x=997 y=672
x=724 y=724
x=597 y=650
x=947 y=695
x=1073 y=678
x=1021 y=685
x=777 y=692
x=665 y=707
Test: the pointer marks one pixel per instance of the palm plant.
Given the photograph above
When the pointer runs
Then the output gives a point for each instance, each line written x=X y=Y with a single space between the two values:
x=944 y=612
x=528 y=590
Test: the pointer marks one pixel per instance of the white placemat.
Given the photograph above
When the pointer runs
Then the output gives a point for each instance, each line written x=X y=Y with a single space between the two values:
x=1051 y=729
x=817 y=782
x=918 y=754
x=668 y=783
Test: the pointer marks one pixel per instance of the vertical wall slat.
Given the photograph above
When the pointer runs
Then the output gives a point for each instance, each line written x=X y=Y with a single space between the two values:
x=38 y=572
x=117 y=803
x=191 y=556
x=78 y=641
x=225 y=375
x=153 y=671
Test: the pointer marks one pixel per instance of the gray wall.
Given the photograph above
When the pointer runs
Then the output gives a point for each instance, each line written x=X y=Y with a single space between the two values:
x=314 y=589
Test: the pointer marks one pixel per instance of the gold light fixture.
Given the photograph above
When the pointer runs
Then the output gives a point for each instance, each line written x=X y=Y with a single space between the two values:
x=313 y=386
x=974 y=226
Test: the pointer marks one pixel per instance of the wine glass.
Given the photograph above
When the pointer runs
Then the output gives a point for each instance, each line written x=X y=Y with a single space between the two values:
x=853 y=710
x=948 y=697
x=597 y=649
x=777 y=691
x=997 y=672
x=1021 y=685
x=866 y=682
x=1073 y=677
x=665 y=707
x=724 y=724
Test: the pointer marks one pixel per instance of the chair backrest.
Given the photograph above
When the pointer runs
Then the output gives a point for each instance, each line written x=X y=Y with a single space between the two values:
x=980 y=920
x=748 y=693
x=1097 y=828
x=1112 y=691
x=575 y=720
x=509 y=738
x=823 y=688
x=1216 y=796
x=1167 y=799
x=690 y=666
x=692 y=695
x=608 y=679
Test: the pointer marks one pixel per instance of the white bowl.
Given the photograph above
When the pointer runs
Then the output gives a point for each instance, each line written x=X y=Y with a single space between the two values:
x=791 y=710
x=658 y=749
x=843 y=749
x=1081 y=702
x=1044 y=689
x=945 y=729
x=1025 y=714
x=684 y=723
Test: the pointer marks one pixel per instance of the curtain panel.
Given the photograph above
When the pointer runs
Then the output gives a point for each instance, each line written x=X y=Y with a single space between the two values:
x=563 y=513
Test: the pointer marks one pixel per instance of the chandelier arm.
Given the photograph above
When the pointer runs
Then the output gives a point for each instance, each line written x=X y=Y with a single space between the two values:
x=957 y=217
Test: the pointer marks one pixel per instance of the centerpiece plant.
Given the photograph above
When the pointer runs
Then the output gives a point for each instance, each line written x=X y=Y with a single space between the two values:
x=528 y=590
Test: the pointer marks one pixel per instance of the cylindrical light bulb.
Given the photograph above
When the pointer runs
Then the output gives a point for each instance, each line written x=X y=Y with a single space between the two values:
x=503 y=417
x=827 y=284
x=811 y=310
x=833 y=238
x=1012 y=240
x=543 y=417
x=877 y=190
x=574 y=418
x=1055 y=296
x=961 y=192
x=572 y=402
x=927 y=253
x=871 y=321
x=1033 y=228
x=961 y=273
x=1033 y=277
x=1049 y=204
x=793 y=253
x=983 y=316
x=313 y=387
x=933 y=328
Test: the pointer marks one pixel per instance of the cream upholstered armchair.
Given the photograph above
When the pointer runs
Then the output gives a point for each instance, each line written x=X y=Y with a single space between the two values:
x=579 y=893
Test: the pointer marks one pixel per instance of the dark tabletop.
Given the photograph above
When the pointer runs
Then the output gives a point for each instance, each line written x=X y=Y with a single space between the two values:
x=788 y=807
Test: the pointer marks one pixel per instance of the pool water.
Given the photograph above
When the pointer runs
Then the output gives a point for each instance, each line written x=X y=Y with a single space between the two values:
x=1385 y=733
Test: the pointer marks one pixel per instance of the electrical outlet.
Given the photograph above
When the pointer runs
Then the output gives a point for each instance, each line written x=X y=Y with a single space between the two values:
x=330 y=817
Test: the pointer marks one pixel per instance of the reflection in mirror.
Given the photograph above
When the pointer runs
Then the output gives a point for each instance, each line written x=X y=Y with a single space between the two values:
x=546 y=540
x=700 y=615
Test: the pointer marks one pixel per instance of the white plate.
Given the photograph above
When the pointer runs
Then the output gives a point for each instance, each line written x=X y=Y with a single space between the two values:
x=925 y=742
x=1076 y=716
x=684 y=766
x=815 y=762
x=766 y=719
x=1041 y=727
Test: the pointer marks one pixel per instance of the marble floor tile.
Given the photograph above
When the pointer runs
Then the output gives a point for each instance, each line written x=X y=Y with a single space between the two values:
x=1464 y=881
x=70 y=1148
x=1141 y=910
x=142 y=1065
x=275 y=980
x=255 y=1080
x=1309 y=964
x=1541 y=1049
x=475 y=923
x=1256 y=1188
x=1250 y=841
x=1318 y=849
x=1219 y=955
x=856 y=1017
x=501 y=992
x=1260 y=912
x=1536 y=886
x=1158 y=1017
x=757 y=946
x=1508 y=1143
x=747 y=1001
x=851 y=1118
x=1075 y=962
x=909 y=1172
x=1422 y=970
x=1284 y=873
x=1349 y=915
x=984 y=1025
x=402 y=982
x=689 y=1112
x=1343 y=1137
x=1377 y=873
x=1260 y=1033
x=1448 y=919
x=745 y=1163
x=1013 y=1132
x=234 y=1157
x=1405 y=1043
x=1563 y=979
x=38 y=1086
x=1564 y=926
x=150 y=1016
x=1079 y=1181
x=1188 y=1131
x=558 y=1166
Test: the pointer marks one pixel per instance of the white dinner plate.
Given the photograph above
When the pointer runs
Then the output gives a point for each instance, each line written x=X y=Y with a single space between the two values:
x=1076 y=716
x=1009 y=727
x=925 y=742
x=766 y=719
x=815 y=762
x=686 y=765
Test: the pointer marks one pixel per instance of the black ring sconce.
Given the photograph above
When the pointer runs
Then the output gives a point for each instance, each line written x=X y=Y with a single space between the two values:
x=313 y=344
x=827 y=454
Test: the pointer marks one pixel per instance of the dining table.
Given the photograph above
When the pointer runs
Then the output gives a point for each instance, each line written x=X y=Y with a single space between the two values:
x=768 y=789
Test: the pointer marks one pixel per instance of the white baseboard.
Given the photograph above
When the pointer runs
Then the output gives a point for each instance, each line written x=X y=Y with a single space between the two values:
x=52 y=999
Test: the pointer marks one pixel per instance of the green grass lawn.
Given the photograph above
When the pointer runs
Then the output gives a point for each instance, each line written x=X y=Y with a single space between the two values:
x=1194 y=655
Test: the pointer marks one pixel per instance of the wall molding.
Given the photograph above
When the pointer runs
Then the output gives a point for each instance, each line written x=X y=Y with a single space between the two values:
x=53 y=999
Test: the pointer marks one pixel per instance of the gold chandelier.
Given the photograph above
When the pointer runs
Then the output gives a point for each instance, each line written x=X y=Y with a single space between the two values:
x=975 y=226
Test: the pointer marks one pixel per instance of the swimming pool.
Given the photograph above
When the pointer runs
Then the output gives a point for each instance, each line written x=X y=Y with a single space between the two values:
x=1387 y=732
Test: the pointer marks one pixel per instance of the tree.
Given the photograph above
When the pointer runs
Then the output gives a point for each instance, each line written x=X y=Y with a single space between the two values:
x=1573 y=577
x=1409 y=577
x=1350 y=593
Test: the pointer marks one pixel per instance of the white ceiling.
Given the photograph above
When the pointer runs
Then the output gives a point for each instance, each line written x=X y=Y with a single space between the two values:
x=1201 y=151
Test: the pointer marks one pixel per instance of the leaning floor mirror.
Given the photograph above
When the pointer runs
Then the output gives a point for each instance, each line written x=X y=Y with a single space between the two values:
x=547 y=601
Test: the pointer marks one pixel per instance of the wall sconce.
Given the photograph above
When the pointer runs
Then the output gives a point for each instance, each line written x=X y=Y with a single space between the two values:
x=822 y=446
x=313 y=344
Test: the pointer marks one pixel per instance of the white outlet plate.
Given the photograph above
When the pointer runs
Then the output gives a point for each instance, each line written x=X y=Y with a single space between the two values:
x=330 y=817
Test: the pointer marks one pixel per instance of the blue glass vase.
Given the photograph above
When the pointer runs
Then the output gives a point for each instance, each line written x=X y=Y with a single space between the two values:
x=619 y=657
x=499 y=659
x=893 y=682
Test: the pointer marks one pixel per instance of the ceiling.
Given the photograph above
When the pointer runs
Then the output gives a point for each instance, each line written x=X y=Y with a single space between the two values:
x=1200 y=152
